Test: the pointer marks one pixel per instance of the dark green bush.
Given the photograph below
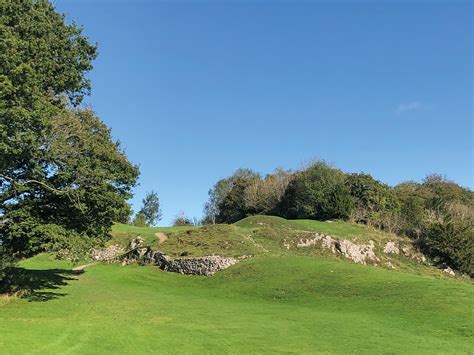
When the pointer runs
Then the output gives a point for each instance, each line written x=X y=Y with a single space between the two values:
x=318 y=192
x=450 y=241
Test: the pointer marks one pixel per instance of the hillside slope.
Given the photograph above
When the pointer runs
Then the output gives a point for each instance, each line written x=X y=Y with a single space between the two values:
x=285 y=298
x=270 y=303
x=268 y=235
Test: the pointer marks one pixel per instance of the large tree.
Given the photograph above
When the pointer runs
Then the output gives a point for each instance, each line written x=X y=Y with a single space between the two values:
x=61 y=173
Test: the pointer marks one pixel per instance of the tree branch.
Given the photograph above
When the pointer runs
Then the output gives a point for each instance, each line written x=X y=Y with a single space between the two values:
x=13 y=194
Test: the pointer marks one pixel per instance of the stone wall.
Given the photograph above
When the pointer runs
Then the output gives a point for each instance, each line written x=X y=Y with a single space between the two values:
x=206 y=265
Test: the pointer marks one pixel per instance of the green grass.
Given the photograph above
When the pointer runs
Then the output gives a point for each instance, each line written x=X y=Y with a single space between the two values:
x=250 y=236
x=300 y=300
x=124 y=233
x=291 y=304
x=340 y=229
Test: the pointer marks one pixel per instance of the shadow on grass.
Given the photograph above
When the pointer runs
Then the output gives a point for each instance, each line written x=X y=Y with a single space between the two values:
x=36 y=285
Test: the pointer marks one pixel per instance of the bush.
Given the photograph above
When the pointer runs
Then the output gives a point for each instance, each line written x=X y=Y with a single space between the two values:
x=262 y=196
x=374 y=202
x=5 y=262
x=182 y=220
x=318 y=192
x=450 y=241
x=139 y=220
x=233 y=206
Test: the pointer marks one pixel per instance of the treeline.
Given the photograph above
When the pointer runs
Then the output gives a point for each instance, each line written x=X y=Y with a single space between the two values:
x=437 y=214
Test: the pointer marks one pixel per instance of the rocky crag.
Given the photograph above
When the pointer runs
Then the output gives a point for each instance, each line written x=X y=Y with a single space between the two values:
x=358 y=253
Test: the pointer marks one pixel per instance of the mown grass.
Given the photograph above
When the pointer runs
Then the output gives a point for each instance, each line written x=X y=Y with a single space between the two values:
x=288 y=304
x=297 y=300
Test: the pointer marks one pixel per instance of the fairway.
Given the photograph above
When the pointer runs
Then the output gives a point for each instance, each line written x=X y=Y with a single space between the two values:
x=292 y=304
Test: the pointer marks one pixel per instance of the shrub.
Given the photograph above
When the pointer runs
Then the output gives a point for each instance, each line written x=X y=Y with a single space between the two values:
x=182 y=220
x=139 y=220
x=224 y=207
x=374 y=202
x=232 y=207
x=262 y=196
x=450 y=240
x=318 y=192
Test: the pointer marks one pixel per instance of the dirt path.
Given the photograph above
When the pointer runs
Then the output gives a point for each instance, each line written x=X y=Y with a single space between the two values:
x=161 y=236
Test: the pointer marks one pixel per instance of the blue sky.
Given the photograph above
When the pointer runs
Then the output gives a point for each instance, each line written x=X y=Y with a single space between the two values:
x=197 y=89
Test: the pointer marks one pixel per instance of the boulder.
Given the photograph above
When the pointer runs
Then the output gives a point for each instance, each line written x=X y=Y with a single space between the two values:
x=449 y=271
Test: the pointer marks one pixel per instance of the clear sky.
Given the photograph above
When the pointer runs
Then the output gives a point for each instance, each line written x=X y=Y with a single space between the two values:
x=197 y=89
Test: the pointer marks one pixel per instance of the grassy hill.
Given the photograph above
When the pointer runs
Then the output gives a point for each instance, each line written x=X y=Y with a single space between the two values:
x=280 y=300
x=264 y=235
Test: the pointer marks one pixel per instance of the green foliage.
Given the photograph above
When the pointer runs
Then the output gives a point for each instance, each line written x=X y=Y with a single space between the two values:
x=60 y=170
x=322 y=192
x=182 y=220
x=227 y=201
x=5 y=262
x=439 y=215
x=263 y=196
x=216 y=195
x=450 y=241
x=233 y=206
x=151 y=208
x=139 y=220
x=230 y=198
x=371 y=198
x=318 y=192
x=123 y=215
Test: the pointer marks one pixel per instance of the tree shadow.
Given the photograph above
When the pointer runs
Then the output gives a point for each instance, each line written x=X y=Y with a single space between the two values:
x=36 y=285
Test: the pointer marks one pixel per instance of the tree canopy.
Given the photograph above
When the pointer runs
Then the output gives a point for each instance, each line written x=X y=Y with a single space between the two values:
x=61 y=173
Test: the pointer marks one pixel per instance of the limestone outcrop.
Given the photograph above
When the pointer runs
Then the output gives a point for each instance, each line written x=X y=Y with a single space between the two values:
x=359 y=253
x=391 y=248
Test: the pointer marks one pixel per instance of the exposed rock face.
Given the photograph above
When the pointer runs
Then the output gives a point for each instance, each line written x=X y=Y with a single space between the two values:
x=391 y=248
x=359 y=253
x=309 y=241
x=327 y=242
